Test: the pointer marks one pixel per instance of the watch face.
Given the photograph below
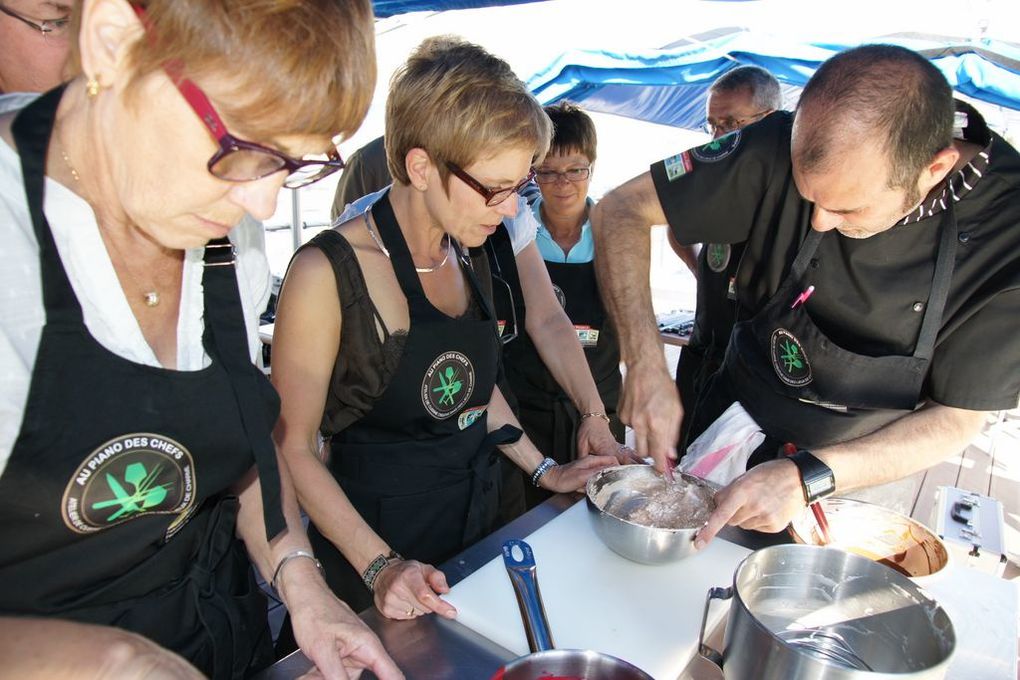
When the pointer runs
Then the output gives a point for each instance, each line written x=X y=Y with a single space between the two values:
x=822 y=486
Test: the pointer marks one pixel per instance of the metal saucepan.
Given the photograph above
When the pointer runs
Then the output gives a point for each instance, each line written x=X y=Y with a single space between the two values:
x=618 y=498
x=544 y=661
x=802 y=611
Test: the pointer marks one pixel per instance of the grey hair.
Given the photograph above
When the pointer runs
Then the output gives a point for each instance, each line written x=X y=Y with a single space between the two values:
x=764 y=88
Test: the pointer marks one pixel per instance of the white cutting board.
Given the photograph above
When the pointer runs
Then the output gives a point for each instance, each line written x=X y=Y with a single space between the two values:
x=595 y=599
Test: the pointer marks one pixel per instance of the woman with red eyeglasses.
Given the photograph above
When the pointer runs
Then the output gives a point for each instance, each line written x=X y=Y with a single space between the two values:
x=386 y=343
x=138 y=478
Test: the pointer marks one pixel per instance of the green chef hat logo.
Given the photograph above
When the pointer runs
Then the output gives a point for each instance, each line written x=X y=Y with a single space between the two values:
x=788 y=359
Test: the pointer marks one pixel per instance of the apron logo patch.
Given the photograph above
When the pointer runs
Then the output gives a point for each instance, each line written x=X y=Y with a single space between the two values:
x=788 y=359
x=717 y=149
x=447 y=385
x=469 y=416
x=128 y=477
x=677 y=166
x=587 y=336
x=561 y=297
x=717 y=256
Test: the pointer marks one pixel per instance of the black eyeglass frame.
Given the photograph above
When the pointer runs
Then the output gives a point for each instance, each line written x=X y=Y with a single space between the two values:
x=737 y=123
x=493 y=197
x=497 y=275
x=584 y=173
x=47 y=27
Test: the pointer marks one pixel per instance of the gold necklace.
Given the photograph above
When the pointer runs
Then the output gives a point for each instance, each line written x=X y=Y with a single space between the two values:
x=420 y=270
x=149 y=297
x=67 y=161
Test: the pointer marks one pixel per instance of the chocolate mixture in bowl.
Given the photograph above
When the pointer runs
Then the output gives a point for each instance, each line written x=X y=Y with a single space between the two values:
x=650 y=501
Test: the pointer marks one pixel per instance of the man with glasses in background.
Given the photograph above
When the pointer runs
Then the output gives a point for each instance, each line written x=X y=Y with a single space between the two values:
x=737 y=98
x=34 y=35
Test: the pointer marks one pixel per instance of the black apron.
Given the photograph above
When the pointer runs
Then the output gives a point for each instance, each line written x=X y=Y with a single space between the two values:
x=511 y=317
x=715 y=314
x=420 y=467
x=113 y=505
x=801 y=387
x=546 y=412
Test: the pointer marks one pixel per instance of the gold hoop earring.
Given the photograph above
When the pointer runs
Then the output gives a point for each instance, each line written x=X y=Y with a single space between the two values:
x=92 y=87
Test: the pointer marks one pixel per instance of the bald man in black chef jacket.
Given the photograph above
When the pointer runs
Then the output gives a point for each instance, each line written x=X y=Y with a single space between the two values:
x=900 y=218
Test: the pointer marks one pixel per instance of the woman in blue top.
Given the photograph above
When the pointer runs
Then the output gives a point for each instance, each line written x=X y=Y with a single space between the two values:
x=565 y=241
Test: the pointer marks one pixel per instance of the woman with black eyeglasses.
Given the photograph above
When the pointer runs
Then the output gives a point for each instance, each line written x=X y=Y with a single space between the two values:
x=34 y=35
x=565 y=250
x=138 y=477
x=400 y=374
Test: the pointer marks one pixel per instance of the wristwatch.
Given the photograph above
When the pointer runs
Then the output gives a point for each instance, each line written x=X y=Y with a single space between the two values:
x=815 y=476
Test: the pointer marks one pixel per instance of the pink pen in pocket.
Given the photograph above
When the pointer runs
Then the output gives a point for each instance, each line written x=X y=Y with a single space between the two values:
x=803 y=297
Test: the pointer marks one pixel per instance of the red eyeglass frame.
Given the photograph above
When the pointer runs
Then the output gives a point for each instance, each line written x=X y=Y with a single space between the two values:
x=489 y=194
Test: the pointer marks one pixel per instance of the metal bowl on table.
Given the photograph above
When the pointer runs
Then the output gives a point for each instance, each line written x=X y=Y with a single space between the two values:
x=638 y=516
x=878 y=533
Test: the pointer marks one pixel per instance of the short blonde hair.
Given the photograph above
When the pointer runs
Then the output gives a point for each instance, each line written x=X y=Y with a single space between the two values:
x=301 y=67
x=460 y=104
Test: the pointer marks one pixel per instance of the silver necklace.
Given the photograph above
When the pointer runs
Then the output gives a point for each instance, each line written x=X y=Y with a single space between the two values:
x=420 y=270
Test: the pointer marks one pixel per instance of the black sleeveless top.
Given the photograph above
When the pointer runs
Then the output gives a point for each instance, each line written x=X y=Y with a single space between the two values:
x=369 y=352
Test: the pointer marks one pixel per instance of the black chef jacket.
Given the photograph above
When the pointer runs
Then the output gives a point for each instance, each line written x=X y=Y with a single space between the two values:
x=870 y=294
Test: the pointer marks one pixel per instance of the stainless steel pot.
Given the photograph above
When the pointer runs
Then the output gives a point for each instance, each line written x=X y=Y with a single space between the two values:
x=804 y=612
x=544 y=661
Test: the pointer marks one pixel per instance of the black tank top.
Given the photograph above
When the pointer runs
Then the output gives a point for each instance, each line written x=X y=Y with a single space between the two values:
x=370 y=353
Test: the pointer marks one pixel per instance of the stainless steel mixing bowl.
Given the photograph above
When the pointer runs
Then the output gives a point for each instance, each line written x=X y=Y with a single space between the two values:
x=612 y=488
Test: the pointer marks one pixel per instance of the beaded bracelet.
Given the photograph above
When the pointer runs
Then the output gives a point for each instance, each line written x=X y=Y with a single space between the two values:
x=542 y=468
x=371 y=572
x=293 y=554
x=596 y=414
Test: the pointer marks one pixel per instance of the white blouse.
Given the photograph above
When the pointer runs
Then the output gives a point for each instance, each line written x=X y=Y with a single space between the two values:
x=105 y=308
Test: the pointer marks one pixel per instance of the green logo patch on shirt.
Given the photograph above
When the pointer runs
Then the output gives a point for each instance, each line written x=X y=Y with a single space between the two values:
x=717 y=256
x=717 y=149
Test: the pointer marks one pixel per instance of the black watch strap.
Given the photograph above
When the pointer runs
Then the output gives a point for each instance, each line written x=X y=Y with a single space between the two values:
x=815 y=476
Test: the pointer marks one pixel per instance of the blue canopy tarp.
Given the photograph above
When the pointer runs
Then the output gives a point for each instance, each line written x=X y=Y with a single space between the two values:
x=669 y=86
x=388 y=8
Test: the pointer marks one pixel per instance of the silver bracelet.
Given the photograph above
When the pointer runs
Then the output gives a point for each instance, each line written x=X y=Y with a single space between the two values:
x=542 y=468
x=292 y=555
